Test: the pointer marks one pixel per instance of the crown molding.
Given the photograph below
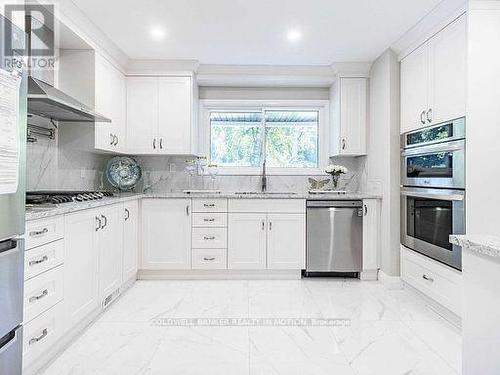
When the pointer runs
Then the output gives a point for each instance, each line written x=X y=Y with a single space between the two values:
x=351 y=69
x=161 y=67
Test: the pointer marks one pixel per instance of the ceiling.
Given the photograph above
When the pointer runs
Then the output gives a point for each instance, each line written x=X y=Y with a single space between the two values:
x=255 y=31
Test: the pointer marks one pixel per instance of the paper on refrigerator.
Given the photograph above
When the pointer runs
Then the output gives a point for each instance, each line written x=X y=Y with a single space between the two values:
x=9 y=132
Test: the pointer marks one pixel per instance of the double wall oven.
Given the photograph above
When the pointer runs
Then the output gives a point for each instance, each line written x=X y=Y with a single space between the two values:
x=433 y=190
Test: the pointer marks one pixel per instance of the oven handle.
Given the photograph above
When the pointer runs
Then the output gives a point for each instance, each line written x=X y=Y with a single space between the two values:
x=439 y=147
x=455 y=196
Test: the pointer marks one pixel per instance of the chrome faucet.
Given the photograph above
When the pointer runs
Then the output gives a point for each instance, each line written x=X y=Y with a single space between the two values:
x=263 y=185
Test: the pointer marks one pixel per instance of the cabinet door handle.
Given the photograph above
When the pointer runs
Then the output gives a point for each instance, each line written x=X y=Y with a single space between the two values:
x=38 y=261
x=99 y=223
x=366 y=209
x=112 y=139
x=343 y=143
x=116 y=141
x=127 y=214
x=105 y=221
x=209 y=238
x=207 y=205
x=263 y=225
x=270 y=225
x=154 y=143
x=209 y=259
x=37 y=233
x=45 y=293
x=187 y=210
x=422 y=117
x=209 y=220
x=429 y=115
x=34 y=340
x=161 y=143
x=425 y=277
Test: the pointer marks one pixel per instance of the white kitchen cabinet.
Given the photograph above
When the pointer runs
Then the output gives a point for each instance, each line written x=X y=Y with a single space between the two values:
x=371 y=239
x=81 y=266
x=247 y=239
x=110 y=248
x=166 y=234
x=161 y=115
x=286 y=241
x=130 y=239
x=110 y=101
x=349 y=116
x=433 y=79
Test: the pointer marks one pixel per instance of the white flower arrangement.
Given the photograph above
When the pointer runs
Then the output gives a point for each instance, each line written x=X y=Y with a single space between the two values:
x=335 y=169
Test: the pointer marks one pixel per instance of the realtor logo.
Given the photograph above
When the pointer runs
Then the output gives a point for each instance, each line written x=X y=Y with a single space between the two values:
x=38 y=45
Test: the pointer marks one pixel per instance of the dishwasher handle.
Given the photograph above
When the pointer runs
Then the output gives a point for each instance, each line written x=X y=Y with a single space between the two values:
x=332 y=203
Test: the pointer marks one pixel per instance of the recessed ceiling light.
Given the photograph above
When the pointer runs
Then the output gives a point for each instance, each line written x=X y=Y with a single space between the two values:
x=293 y=35
x=157 y=32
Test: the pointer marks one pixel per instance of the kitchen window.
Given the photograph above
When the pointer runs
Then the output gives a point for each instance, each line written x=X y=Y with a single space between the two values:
x=288 y=140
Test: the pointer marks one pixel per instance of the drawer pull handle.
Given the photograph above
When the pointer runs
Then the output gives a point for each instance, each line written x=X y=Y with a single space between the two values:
x=209 y=238
x=425 y=277
x=34 y=340
x=209 y=205
x=36 y=233
x=209 y=220
x=38 y=261
x=209 y=259
x=45 y=293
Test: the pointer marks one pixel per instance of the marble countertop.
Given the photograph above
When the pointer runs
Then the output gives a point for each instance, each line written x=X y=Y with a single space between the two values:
x=486 y=245
x=38 y=212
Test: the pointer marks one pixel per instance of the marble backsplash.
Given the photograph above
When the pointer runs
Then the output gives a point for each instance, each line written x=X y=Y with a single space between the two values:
x=56 y=165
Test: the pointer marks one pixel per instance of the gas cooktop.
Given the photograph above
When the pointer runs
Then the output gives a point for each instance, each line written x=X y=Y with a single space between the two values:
x=56 y=197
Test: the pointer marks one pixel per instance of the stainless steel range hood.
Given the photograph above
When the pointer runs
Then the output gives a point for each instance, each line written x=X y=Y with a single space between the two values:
x=47 y=101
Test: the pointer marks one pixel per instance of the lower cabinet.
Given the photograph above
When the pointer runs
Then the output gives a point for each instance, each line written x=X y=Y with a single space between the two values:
x=130 y=239
x=266 y=241
x=166 y=234
x=247 y=241
x=81 y=267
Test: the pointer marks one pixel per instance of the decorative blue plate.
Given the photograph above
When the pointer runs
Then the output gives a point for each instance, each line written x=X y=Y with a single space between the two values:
x=123 y=172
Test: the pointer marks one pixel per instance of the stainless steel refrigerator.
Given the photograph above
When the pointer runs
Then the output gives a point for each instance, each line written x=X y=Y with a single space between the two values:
x=12 y=215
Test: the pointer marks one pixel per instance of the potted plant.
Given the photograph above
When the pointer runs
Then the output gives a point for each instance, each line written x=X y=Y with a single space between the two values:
x=335 y=171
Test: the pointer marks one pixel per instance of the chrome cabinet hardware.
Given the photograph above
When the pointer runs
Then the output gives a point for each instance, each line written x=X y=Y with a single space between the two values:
x=105 y=221
x=263 y=225
x=209 y=205
x=422 y=117
x=209 y=238
x=429 y=115
x=36 y=233
x=343 y=143
x=425 y=277
x=99 y=223
x=209 y=220
x=161 y=143
x=187 y=210
x=112 y=139
x=38 y=261
x=45 y=293
x=209 y=259
x=154 y=143
x=270 y=225
x=366 y=209
x=34 y=340
x=127 y=214
x=115 y=140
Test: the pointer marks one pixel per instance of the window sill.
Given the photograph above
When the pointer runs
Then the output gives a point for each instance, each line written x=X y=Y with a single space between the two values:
x=242 y=171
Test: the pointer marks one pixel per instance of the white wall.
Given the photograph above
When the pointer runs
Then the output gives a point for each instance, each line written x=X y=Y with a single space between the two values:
x=382 y=162
x=483 y=119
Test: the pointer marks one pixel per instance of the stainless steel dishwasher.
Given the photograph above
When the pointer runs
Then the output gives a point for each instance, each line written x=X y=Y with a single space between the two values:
x=334 y=236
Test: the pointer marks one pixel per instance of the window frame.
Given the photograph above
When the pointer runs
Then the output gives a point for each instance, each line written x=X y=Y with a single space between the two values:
x=322 y=106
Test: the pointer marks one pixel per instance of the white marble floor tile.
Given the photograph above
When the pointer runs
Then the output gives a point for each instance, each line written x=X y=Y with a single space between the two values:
x=388 y=332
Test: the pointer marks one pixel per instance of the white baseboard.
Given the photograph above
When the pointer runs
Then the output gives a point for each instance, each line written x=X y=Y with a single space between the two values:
x=219 y=274
x=368 y=275
x=390 y=282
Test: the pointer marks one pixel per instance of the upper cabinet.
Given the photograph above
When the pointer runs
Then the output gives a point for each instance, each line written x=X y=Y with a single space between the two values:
x=161 y=115
x=433 y=79
x=110 y=101
x=349 y=116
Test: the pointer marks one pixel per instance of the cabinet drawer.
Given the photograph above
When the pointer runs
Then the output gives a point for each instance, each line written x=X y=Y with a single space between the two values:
x=42 y=292
x=41 y=333
x=40 y=232
x=210 y=205
x=43 y=258
x=433 y=279
x=209 y=238
x=296 y=206
x=213 y=259
x=215 y=219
